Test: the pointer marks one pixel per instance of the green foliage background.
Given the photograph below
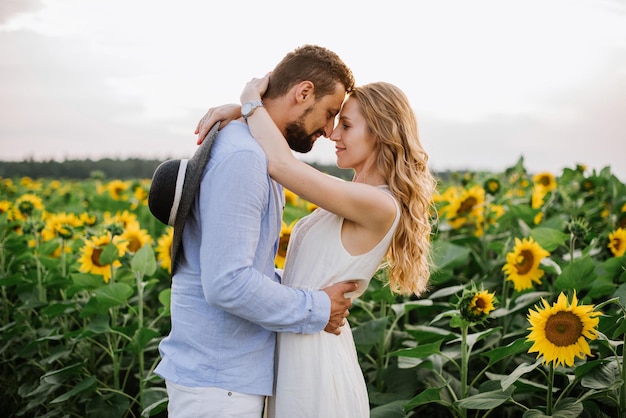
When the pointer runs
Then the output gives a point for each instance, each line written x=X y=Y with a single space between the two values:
x=74 y=345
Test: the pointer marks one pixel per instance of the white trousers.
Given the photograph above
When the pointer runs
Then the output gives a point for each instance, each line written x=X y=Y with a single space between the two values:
x=208 y=402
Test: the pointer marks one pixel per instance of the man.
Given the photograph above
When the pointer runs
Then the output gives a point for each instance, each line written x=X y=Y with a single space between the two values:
x=227 y=302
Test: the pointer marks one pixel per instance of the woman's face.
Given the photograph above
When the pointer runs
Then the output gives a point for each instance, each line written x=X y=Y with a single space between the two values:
x=354 y=142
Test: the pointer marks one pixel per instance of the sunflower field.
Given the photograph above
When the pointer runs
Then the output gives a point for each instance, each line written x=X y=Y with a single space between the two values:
x=525 y=315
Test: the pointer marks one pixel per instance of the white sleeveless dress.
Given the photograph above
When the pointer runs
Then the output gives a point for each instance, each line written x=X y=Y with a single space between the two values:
x=318 y=375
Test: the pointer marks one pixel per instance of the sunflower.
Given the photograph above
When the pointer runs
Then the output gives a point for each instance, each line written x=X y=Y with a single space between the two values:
x=492 y=186
x=87 y=219
x=522 y=264
x=26 y=181
x=30 y=184
x=537 y=198
x=290 y=197
x=164 y=249
x=136 y=237
x=60 y=225
x=5 y=206
x=123 y=219
x=559 y=332
x=617 y=242
x=117 y=189
x=140 y=197
x=545 y=180
x=467 y=208
x=475 y=305
x=26 y=204
x=7 y=186
x=495 y=212
x=90 y=256
x=450 y=193
x=285 y=234
x=578 y=228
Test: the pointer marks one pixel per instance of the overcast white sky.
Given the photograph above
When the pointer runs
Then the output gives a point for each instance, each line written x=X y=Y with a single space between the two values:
x=490 y=80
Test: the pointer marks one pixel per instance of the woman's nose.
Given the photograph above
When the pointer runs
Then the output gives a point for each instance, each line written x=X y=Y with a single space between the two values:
x=334 y=135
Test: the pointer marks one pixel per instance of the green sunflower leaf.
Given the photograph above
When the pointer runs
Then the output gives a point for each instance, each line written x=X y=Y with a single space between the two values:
x=520 y=345
x=109 y=254
x=421 y=351
x=578 y=275
x=549 y=239
x=84 y=385
x=390 y=410
x=144 y=261
x=368 y=334
x=521 y=370
x=426 y=396
x=114 y=294
x=448 y=255
x=486 y=400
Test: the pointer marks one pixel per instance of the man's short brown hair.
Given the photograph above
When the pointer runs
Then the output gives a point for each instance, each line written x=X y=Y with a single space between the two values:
x=312 y=63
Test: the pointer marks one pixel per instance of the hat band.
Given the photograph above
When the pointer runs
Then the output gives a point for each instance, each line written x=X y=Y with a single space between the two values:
x=180 y=182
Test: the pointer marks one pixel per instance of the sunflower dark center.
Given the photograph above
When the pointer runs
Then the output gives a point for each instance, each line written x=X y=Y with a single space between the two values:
x=563 y=329
x=134 y=244
x=545 y=181
x=467 y=205
x=26 y=207
x=525 y=262
x=95 y=257
x=282 y=245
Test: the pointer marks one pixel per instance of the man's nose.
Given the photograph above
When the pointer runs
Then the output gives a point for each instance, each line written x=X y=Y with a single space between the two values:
x=334 y=136
x=328 y=129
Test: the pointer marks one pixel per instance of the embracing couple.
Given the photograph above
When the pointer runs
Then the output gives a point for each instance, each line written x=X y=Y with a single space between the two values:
x=243 y=332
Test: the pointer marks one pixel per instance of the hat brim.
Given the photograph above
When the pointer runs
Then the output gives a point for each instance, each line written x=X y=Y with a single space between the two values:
x=168 y=201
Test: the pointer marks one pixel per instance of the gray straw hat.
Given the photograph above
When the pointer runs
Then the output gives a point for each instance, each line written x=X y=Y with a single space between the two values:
x=174 y=186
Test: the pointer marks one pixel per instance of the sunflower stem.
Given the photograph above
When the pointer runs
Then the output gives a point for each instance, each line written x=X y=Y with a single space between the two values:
x=464 y=365
x=114 y=345
x=142 y=372
x=622 y=398
x=550 y=386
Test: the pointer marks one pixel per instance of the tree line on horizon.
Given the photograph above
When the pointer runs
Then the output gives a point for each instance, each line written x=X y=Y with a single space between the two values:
x=106 y=168
x=123 y=169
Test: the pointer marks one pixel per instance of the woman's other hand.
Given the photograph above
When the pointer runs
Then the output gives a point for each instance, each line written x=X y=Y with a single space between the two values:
x=223 y=114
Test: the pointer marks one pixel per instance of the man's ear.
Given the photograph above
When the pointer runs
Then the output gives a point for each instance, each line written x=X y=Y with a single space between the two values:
x=305 y=90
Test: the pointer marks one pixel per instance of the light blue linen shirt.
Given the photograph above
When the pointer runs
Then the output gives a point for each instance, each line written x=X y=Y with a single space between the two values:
x=227 y=302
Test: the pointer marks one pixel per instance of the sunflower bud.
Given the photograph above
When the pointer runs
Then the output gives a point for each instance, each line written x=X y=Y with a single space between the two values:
x=578 y=227
x=475 y=305
x=115 y=229
x=33 y=226
x=26 y=207
x=64 y=231
x=492 y=186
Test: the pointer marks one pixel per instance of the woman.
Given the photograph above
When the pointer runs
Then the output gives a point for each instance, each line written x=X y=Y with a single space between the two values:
x=382 y=215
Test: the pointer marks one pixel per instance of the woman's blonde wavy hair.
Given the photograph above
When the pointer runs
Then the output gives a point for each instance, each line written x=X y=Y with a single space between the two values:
x=403 y=162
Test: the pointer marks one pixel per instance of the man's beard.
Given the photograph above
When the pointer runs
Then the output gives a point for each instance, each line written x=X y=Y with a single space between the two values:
x=298 y=139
